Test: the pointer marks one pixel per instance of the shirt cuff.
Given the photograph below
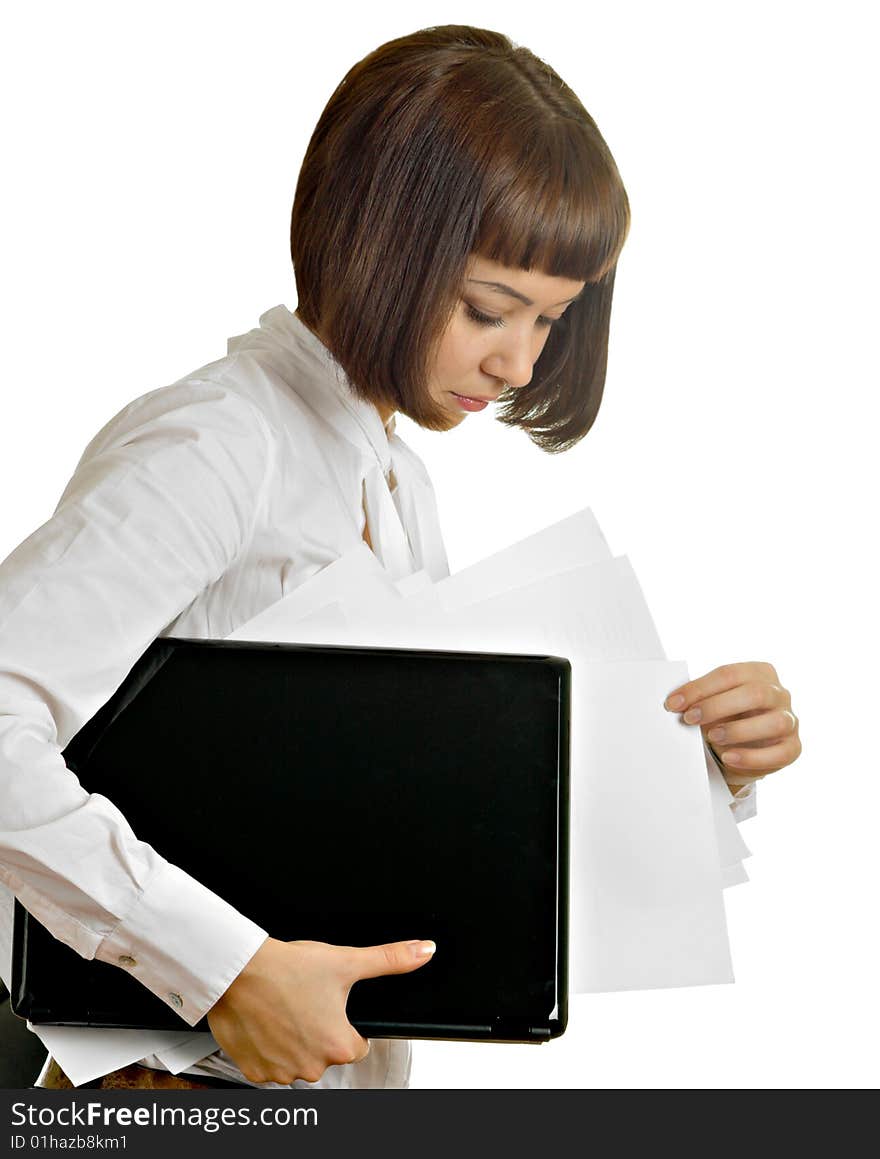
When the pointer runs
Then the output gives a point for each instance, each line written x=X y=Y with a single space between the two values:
x=745 y=801
x=744 y=798
x=183 y=942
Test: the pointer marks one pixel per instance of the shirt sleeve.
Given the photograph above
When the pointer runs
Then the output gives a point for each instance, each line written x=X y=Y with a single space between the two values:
x=160 y=504
x=743 y=801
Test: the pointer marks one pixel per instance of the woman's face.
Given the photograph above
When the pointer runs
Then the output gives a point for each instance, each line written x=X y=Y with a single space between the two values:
x=496 y=333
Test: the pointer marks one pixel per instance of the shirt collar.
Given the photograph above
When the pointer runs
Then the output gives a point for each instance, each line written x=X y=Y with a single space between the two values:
x=321 y=381
x=401 y=510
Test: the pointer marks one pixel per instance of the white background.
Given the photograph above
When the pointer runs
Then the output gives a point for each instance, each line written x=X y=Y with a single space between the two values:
x=151 y=157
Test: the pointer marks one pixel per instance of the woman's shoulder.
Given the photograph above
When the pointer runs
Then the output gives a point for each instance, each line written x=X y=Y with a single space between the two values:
x=183 y=435
x=207 y=404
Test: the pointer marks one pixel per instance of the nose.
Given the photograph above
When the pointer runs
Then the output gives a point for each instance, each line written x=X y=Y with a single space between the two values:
x=513 y=360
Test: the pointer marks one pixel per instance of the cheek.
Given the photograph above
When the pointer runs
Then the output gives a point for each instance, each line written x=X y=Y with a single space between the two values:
x=459 y=352
x=467 y=348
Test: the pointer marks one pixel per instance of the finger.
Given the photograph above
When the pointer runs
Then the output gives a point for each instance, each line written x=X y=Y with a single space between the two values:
x=763 y=760
x=357 y=1050
x=392 y=958
x=719 y=680
x=352 y=1047
x=779 y=723
x=745 y=698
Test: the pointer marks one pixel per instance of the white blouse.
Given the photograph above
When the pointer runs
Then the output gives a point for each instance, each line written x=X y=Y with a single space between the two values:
x=193 y=509
x=197 y=506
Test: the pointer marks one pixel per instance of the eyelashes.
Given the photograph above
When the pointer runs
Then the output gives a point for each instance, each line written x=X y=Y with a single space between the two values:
x=481 y=319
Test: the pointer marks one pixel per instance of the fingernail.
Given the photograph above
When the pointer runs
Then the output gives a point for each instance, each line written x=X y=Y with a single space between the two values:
x=422 y=949
x=693 y=716
x=731 y=758
x=674 y=702
x=717 y=733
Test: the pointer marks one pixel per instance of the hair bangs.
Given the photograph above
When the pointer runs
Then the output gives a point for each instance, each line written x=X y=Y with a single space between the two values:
x=560 y=208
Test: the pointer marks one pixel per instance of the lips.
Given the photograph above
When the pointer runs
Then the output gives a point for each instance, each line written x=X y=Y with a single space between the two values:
x=470 y=404
x=476 y=397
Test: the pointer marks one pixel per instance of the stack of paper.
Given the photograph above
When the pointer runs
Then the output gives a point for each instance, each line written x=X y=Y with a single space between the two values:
x=653 y=841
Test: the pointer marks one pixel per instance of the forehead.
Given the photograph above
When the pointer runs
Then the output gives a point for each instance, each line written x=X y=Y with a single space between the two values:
x=540 y=288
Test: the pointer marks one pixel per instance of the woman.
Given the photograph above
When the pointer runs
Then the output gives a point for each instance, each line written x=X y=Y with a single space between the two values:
x=455 y=233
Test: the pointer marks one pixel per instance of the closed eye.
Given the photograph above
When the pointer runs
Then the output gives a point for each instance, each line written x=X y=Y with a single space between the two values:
x=487 y=320
x=482 y=319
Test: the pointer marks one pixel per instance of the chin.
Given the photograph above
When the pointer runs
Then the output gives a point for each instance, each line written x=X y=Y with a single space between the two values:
x=453 y=416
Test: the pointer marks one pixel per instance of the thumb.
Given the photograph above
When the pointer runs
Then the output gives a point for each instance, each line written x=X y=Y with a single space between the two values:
x=392 y=958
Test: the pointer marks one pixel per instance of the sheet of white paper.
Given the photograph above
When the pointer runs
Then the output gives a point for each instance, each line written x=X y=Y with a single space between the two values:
x=7 y=902
x=326 y=625
x=647 y=911
x=731 y=847
x=410 y=585
x=85 y=1054
x=599 y=609
x=356 y=578
x=733 y=875
x=348 y=603
x=572 y=542
x=185 y=1053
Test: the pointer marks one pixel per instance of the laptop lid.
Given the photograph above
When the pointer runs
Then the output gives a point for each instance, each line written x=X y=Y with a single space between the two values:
x=347 y=795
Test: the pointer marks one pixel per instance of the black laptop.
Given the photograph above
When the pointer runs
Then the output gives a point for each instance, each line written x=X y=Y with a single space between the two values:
x=363 y=796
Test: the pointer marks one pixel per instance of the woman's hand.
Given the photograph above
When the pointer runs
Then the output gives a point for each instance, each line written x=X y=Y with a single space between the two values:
x=745 y=715
x=283 y=1018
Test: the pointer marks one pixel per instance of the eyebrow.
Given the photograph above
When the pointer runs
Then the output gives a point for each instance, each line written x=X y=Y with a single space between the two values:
x=501 y=288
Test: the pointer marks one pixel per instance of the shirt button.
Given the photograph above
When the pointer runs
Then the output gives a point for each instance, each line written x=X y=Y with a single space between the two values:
x=175 y=1000
x=125 y=960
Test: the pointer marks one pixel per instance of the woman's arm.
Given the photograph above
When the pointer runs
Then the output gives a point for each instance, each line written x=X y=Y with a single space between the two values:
x=158 y=508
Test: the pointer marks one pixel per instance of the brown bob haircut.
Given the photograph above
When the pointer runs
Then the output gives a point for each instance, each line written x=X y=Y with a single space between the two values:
x=449 y=142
